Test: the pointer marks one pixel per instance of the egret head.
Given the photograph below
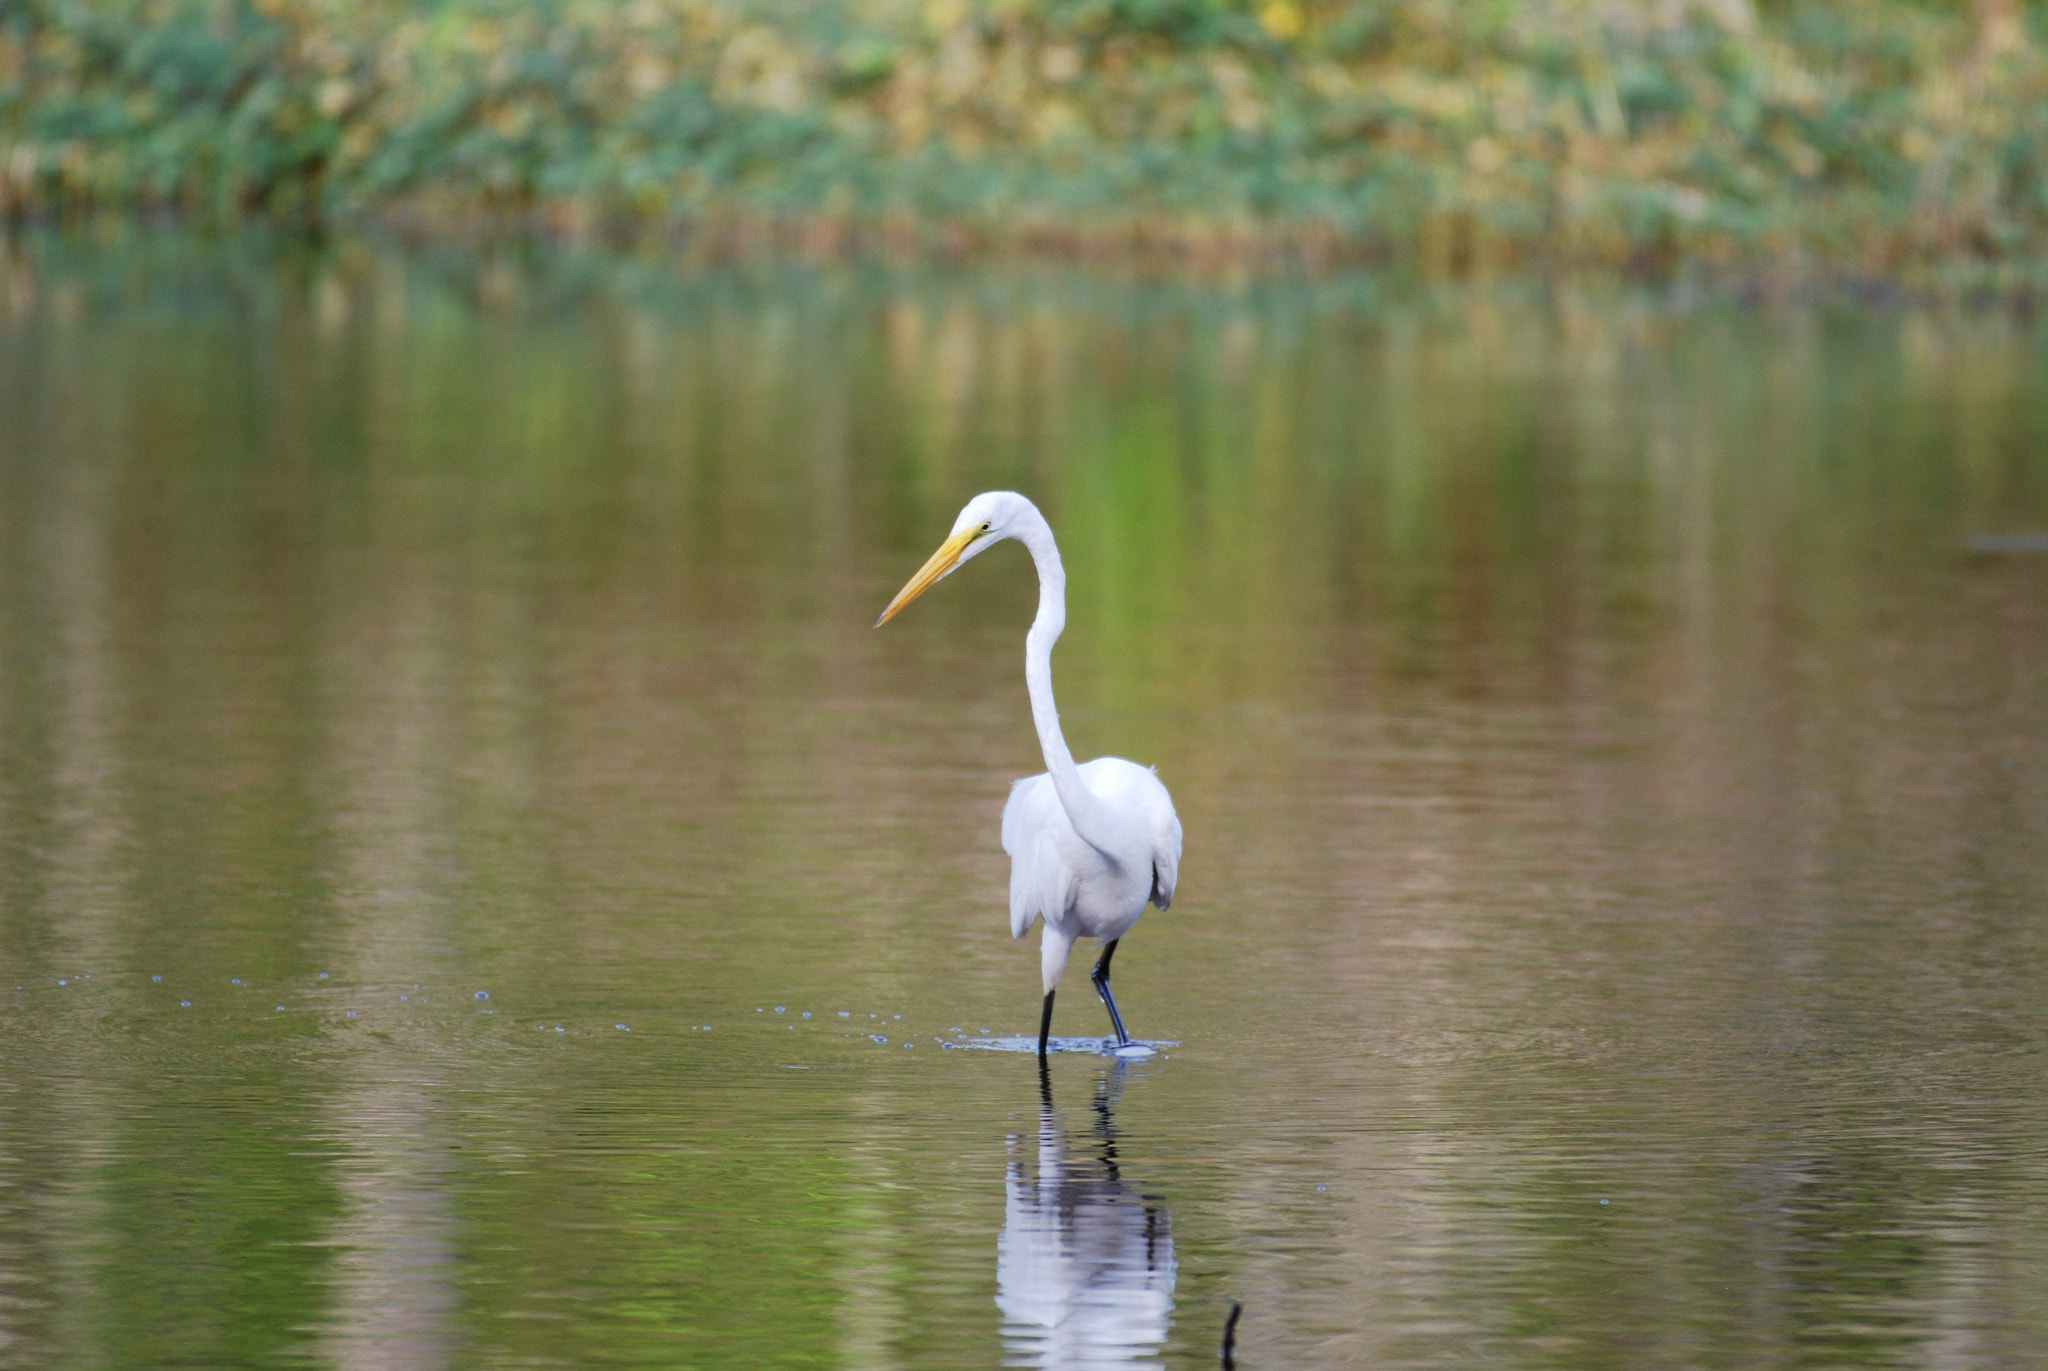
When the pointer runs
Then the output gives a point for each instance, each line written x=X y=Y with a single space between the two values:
x=987 y=520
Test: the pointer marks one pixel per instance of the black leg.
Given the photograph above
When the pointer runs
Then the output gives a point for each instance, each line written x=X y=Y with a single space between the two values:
x=1045 y=1025
x=1101 y=978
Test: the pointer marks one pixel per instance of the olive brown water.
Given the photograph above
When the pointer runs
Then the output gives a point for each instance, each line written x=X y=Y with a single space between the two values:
x=475 y=890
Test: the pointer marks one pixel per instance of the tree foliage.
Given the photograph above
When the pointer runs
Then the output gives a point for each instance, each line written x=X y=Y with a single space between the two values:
x=1859 y=130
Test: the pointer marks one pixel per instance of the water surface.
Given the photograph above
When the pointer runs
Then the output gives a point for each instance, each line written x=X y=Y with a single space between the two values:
x=1611 y=756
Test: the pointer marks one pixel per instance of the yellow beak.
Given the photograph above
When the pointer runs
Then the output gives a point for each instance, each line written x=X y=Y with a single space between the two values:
x=931 y=573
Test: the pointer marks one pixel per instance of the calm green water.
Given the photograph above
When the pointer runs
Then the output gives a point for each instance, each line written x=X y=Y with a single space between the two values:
x=1612 y=926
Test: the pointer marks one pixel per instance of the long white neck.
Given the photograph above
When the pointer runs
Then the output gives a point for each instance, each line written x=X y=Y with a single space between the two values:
x=1084 y=811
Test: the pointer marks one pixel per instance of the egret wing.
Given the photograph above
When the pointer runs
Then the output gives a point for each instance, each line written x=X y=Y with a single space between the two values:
x=1165 y=853
x=1040 y=883
x=1151 y=829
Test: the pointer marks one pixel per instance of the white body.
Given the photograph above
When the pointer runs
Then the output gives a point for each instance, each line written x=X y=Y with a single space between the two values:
x=1075 y=887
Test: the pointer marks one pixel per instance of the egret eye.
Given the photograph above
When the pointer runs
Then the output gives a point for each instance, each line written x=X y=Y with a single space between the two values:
x=984 y=526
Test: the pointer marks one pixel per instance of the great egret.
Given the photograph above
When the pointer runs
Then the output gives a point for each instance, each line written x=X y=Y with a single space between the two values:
x=1089 y=845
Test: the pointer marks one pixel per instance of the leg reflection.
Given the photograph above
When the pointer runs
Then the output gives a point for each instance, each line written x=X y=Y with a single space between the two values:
x=1084 y=1267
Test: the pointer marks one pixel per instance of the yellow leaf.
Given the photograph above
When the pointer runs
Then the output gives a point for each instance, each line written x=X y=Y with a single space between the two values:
x=1283 y=19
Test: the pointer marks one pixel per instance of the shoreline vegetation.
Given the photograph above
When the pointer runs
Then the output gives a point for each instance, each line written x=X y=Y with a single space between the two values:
x=1872 y=140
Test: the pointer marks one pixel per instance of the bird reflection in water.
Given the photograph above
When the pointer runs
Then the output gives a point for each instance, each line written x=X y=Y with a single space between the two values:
x=1084 y=1266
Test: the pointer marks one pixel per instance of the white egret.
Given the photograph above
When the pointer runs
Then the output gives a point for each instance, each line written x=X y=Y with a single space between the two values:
x=1089 y=845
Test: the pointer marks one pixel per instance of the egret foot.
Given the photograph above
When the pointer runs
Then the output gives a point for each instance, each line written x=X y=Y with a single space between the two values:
x=1101 y=978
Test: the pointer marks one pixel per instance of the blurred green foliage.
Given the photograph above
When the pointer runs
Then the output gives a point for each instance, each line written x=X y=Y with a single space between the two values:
x=1864 y=133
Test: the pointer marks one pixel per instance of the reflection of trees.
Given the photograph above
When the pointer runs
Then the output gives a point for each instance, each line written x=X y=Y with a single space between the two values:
x=390 y=712
x=1084 y=1266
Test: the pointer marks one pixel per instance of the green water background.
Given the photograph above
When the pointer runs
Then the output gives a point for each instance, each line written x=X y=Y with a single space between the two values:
x=1611 y=927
